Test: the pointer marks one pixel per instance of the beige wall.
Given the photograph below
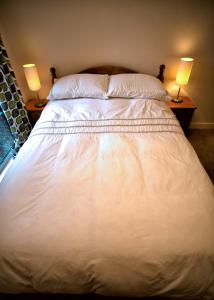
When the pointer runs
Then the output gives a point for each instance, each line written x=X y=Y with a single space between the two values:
x=140 y=34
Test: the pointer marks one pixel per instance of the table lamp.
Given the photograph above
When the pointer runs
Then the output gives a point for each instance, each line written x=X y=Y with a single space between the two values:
x=33 y=81
x=183 y=75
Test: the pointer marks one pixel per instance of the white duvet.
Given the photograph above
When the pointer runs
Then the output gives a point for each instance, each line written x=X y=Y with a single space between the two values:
x=109 y=197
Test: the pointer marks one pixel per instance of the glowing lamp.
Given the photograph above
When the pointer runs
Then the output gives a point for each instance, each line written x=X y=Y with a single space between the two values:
x=33 y=81
x=183 y=74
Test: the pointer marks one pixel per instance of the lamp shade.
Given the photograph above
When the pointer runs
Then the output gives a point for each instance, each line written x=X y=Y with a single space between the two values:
x=184 y=70
x=32 y=77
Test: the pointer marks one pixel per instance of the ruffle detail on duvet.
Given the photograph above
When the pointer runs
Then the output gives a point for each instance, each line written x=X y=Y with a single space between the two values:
x=140 y=125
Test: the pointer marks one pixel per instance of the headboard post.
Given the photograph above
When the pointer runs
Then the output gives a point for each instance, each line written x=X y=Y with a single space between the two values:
x=53 y=74
x=161 y=72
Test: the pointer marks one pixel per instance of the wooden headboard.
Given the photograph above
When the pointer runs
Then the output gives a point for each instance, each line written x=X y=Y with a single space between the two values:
x=110 y=70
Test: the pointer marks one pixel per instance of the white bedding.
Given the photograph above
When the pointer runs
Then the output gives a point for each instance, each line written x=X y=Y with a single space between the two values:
x=107 y=197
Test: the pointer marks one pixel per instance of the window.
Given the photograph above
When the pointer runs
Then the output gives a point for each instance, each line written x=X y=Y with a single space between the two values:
x=6 y=141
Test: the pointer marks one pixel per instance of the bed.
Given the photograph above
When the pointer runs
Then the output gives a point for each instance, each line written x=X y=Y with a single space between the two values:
x=107 y=197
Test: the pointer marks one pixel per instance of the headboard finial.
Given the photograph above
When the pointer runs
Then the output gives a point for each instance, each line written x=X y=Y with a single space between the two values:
x=53 y=74
x=161 y=72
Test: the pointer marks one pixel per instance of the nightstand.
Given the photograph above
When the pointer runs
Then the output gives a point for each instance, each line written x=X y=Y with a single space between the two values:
x=33 y=111
x=184 y=112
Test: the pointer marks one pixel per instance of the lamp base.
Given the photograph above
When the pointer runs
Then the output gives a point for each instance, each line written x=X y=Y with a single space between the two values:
x=176 y=100
x=40 y=103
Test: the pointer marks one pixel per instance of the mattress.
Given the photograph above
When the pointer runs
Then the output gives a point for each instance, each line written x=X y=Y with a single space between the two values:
x=107 y=197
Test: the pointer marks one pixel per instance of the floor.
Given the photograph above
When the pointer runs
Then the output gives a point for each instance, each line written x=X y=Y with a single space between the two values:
x=69 y=297
x=203 y=143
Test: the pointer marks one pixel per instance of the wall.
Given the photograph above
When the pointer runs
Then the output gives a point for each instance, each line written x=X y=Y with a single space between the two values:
x=140 y=34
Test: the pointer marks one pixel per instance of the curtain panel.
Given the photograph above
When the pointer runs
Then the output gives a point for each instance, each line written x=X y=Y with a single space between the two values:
x=11 y=102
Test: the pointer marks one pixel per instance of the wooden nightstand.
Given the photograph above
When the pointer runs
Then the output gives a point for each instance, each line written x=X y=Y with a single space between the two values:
x=184 y=112
x=33 y=111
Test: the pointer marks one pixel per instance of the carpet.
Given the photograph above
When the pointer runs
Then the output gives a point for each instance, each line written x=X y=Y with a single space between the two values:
x=203 y=143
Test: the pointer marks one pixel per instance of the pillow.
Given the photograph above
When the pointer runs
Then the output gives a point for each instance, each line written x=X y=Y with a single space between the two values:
x=136 y=86
x=80 y=86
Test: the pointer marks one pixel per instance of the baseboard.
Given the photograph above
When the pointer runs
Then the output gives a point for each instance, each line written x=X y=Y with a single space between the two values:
x=202 y=125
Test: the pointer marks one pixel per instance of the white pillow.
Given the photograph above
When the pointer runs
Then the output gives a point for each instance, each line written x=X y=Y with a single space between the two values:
x=80 y=86
x=136 y=86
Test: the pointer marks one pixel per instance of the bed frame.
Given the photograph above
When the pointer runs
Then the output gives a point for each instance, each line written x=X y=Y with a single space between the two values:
x=110 y=70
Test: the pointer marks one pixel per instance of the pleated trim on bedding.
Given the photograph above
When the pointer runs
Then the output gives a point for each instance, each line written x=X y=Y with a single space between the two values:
x=141 y=125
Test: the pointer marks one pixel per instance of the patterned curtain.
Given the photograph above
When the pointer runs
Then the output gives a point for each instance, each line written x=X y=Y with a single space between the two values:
x=12 y=103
